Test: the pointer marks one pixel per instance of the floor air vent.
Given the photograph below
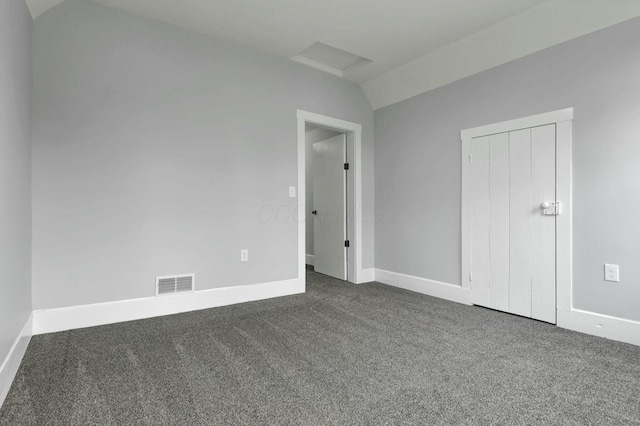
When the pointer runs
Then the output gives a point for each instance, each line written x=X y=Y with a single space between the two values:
x=174 y=284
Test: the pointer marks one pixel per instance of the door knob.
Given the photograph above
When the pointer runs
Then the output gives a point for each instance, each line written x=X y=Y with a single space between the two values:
x=550 y=208
x=314 y=212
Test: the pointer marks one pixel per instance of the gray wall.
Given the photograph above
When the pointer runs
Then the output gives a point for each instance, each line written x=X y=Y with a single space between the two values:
x=313 y=135
x=15 y=171
x=417 y=181
x=159 y=151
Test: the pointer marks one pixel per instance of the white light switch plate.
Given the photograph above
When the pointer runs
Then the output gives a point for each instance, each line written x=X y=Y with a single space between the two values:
x=244 y=255
x=292 y=192
x=611 y=273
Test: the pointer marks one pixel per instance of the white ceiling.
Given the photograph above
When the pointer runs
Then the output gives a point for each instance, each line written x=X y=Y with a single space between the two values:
x=38 y=7
x=388 y=32
x=403 y=39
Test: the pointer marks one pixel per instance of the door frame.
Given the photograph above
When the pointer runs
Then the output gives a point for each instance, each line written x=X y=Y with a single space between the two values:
x=354 y=198
x=563 y=119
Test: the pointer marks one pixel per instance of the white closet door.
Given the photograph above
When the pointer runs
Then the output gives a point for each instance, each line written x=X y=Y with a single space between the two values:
x=513 y=243
x=499 y=222
x=521 y=213
x=481 y=203
x=543 y=256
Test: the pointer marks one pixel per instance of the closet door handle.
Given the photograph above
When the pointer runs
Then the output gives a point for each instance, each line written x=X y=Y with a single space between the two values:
x=550 y=208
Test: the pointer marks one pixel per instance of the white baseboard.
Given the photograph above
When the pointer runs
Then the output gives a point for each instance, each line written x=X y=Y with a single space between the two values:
x=69 y=318
x=366 y=275
x=310 y=259
x=609 y=327
x=10 y=366
x=452 y=292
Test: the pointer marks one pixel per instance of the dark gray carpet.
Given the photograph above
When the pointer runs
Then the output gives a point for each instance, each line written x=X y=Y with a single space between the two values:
x=339 y=354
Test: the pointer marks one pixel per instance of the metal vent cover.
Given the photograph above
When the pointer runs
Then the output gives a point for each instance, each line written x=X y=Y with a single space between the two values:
x=174 y=284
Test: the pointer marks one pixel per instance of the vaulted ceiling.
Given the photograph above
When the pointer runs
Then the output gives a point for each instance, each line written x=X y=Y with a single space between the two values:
x=388 y=33
x=400 y=37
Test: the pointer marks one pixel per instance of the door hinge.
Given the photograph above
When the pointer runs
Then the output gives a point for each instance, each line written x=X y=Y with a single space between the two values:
x=346 y=166
x=346 y=243
x=471 y=158
x=470 y=277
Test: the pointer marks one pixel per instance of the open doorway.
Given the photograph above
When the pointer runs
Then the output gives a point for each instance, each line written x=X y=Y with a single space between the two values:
x=335 y=196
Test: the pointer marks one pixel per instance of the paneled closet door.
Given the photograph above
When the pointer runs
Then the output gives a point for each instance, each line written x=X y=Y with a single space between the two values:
x=514 y=222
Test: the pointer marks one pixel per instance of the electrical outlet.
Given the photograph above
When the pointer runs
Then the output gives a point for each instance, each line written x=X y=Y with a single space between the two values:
x=244 y=255
x=611 y=273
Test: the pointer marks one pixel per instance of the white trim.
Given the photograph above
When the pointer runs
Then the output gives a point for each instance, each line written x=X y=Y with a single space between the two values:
x=564 y=222
x=310 y=259
x=69 y=318
x=11 y=363
x=592 y=323
x=302 y=194
x=345 y=210
x=354 y=130
x=368 y=275
x=518 y=124
x=600 y=325
x=452 y=292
